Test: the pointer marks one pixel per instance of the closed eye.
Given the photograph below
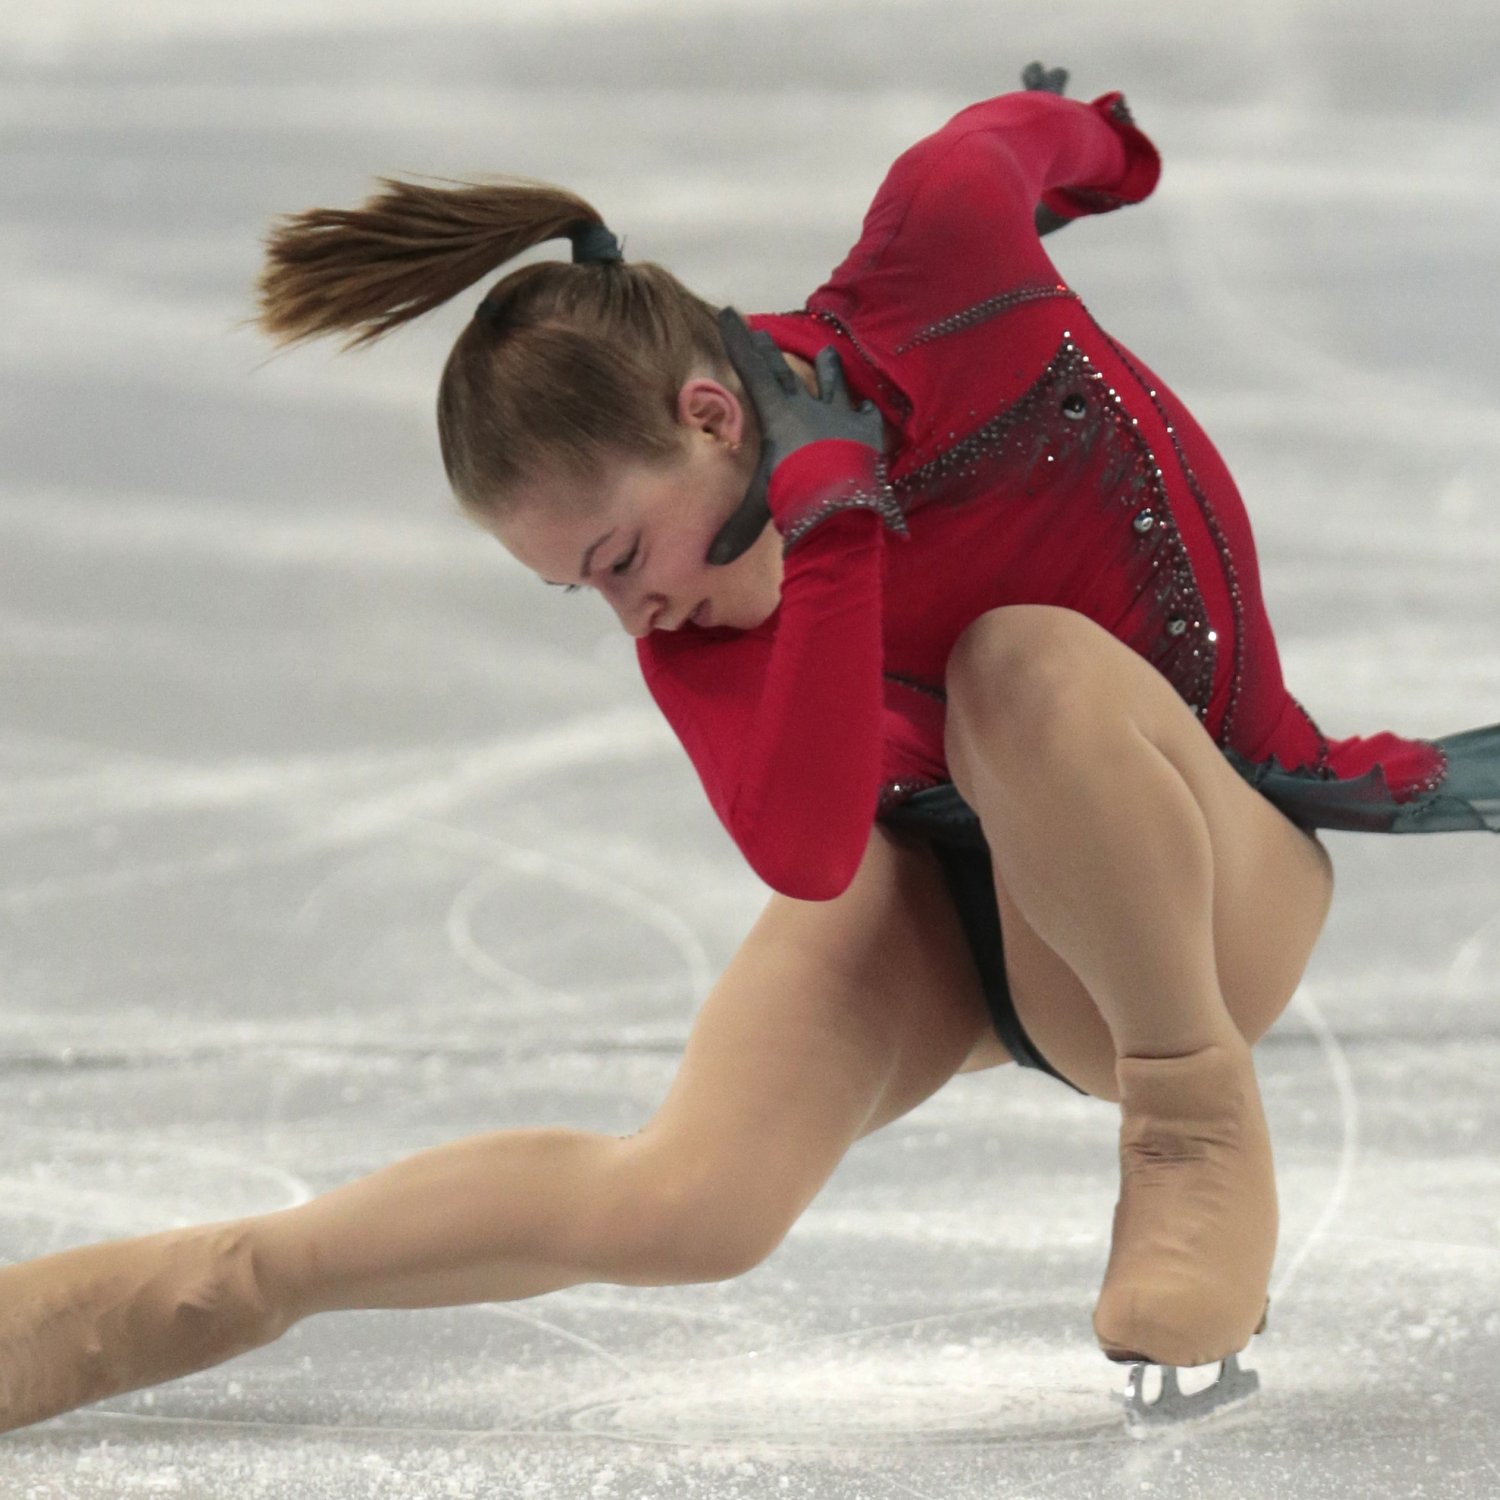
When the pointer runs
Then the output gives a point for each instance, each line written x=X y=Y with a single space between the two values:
x=619 y=569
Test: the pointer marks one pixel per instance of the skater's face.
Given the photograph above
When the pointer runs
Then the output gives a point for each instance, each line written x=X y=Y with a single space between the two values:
x=639 y=534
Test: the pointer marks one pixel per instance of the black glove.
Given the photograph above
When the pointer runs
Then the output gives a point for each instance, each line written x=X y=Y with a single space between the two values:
x=790 y=418
x=1043 y=80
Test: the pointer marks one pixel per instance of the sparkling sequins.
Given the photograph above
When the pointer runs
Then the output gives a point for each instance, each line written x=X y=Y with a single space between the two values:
x=982 y=312
x=882 y=499
x=888 y=389
x=1069 y=435
x=1226 y=558
x=893 y=793
x=1435 y=778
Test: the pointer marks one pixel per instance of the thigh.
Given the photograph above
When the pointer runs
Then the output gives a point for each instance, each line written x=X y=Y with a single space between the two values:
x=833 y=1019
x=1273 y=881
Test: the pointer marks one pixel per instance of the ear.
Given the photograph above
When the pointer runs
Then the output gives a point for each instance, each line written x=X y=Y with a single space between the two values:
x=709 y=407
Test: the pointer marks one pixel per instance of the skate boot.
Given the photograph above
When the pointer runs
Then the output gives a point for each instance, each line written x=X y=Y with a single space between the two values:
x=1195 y=1225
x=94 y=1322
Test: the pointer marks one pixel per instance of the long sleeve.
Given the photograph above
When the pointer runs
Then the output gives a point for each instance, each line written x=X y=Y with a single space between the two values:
x=783 y=723
x=952 y=224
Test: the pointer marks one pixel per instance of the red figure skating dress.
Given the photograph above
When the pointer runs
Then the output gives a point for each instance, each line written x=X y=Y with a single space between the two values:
x=1037 y=461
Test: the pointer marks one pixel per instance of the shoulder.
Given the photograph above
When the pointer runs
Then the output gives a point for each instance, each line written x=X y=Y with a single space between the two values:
x=951 y=225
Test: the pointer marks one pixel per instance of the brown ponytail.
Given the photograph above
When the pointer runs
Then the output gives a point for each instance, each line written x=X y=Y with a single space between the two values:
x=568 y=367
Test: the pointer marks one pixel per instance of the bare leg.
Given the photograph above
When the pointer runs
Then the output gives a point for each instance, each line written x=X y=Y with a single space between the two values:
x=1135 y=856
x=833 y=1019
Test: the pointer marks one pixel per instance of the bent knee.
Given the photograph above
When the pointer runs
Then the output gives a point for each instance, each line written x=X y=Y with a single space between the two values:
x=1019 y=677
x=680 y=1223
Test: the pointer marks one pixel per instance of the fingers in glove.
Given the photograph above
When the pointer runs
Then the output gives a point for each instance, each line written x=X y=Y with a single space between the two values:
x=775 y=361
x=832 y=387
x=1044 y=80
x=756 y=359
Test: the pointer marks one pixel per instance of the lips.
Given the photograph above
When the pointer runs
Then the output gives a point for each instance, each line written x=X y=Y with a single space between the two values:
x=700 y=616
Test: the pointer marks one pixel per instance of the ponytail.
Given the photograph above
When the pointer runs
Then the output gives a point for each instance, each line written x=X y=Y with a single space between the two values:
x=565 y=367
x=402 y=253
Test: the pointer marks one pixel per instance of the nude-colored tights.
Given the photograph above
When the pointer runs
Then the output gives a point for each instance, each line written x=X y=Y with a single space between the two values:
x=1195 y=1225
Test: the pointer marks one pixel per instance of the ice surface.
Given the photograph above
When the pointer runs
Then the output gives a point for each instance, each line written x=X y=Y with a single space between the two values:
x=326 y=834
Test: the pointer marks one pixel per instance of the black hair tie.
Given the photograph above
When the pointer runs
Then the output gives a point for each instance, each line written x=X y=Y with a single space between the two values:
x=488 y=313
x=593 y=243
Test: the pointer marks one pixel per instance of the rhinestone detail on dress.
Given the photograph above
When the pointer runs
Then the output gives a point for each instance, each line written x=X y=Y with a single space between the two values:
x=1221 y=543
x=1069 y=417
x=982 y=312
x=888 y=387
x=894 y=793
x=882 y=500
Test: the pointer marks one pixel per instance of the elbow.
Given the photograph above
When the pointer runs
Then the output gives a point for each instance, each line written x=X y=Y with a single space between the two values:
x=816 y=871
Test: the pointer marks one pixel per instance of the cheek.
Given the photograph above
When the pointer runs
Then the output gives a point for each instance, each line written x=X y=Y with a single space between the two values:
x=683 y=564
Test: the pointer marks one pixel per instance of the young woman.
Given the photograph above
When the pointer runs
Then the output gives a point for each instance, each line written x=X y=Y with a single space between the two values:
x=956 y=611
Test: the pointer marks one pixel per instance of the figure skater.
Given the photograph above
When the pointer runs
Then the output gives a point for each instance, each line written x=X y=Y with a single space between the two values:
x=956 y=611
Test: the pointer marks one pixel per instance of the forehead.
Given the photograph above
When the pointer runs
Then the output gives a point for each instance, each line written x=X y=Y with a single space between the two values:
x=549 y=525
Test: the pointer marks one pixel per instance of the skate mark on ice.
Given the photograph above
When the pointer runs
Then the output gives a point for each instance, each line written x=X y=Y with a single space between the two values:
x=894 y=1398
x=902 y=1488
x=846 y=1335
x=136 y=1206
x=118 y=784
x=107 y=1416
x=610 y=736
x=1429 y=1249
x=473 y=955
x=1466 y=958
x=543 y=1325
x=600 y=1296
x=1343 y=1082
x=514 y=859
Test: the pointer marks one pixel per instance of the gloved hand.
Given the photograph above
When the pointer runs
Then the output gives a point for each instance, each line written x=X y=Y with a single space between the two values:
x=1043 y=80
x=791 y=420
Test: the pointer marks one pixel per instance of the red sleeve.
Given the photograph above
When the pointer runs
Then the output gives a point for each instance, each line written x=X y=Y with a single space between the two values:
x=953 y=222
x=783 y=723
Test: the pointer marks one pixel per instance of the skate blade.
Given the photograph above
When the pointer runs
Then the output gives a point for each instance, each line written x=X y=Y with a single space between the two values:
x=1174 y=1407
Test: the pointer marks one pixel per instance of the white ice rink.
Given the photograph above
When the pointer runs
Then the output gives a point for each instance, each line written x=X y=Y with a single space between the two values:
x=327 y=834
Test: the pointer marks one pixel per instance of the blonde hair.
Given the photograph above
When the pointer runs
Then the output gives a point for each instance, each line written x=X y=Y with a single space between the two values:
x=563 y=369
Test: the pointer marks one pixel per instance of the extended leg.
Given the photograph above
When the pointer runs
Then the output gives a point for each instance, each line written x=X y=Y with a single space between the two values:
x=832 y=1019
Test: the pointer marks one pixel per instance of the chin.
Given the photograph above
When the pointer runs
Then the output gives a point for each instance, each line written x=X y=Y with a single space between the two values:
x=747 y=609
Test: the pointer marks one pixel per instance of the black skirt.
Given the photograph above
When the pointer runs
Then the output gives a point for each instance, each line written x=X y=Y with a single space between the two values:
x=950 y=827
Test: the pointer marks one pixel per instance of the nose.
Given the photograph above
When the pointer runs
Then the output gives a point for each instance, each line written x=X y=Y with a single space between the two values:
x=637 y=612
